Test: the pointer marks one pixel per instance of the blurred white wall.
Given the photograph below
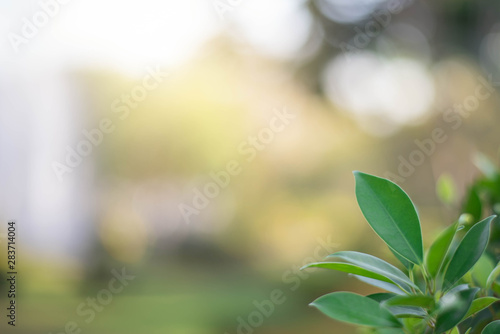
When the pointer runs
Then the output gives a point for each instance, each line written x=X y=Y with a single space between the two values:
x=40 y=114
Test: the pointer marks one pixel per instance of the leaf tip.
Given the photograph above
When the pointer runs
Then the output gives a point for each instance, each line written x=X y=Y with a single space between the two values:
x=489 y=219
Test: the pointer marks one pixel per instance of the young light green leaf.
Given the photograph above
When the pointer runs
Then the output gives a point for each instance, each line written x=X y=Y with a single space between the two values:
x=355 y=309
x=411 y=300
x=480 y=304
x=376 y=265
x=492 y=328
x=468 y=252
x=436 y=254
x=466 y=220
x=493 y=276
x=446 y=188
x=482 y=269
x=391 y=214
x=452 y=309
x=348 y=268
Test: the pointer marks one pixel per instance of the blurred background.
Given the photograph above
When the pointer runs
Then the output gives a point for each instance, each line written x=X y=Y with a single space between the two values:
x=205 y=148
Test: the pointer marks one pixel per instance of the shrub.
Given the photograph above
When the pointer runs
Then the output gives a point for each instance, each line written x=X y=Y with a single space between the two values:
x=436 y=292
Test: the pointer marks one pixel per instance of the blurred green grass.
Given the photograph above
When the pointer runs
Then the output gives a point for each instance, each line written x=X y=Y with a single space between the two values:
x=170 y=299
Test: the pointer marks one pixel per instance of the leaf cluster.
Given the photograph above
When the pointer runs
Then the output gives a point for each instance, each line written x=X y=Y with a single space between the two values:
x=436 y=291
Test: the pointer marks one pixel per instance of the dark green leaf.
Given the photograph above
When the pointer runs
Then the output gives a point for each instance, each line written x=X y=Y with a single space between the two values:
x=452 y=309
x=382 y=296
x=492 y=328
x=355 y=309
x=437 y=252
x=473 y=205
x=423 y=301
x=468 y=252
x=391 y=214
x=407 y=264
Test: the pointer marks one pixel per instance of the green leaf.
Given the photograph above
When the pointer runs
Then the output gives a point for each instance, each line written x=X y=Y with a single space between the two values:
x=468 y=252
x=355 y=309
x=460 y=287
x=423 y=301
x=381 y=285
x=418 y=325
x=482 y=269
x=399 y=310
x=480 y=304
x=436 y=254
x=492 y=328
x=473 y=205
x=453 y=307
x=493 y=276
x=347 y=268
x=407 y=311
x=391 y=214
x=381 y=296
x=376 y=265
x=407 y=264
x=446 y=189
